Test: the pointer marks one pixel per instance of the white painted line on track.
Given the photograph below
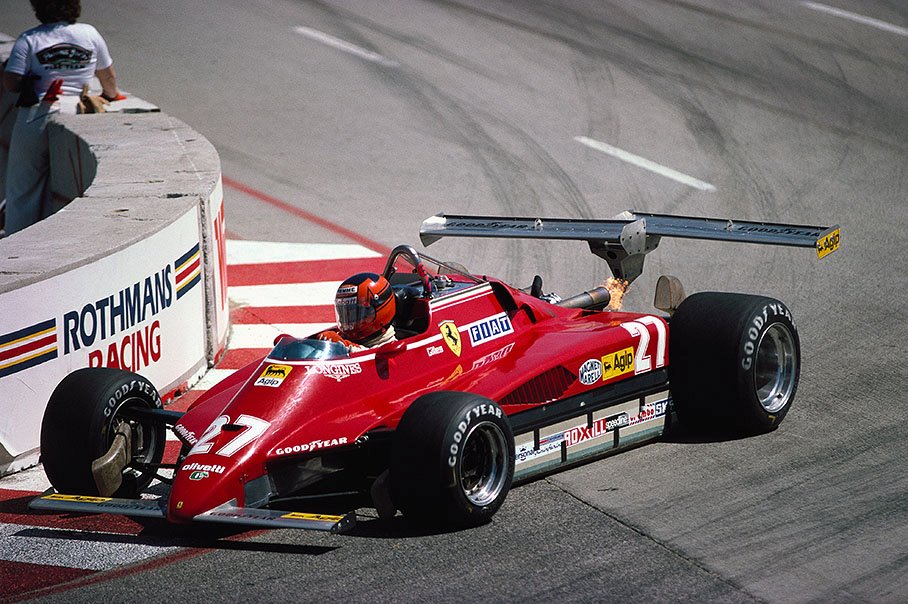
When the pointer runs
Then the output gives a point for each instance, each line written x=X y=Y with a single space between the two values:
x=642 y=162
x=264 y=252
x=844 y=14
x=262 y=335
x=285 y=294
x=67 y=547
x=343 y=45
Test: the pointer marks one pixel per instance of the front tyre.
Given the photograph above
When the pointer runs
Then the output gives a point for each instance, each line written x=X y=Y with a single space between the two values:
x=735 y=361
x=452 y=460
x=81 y=419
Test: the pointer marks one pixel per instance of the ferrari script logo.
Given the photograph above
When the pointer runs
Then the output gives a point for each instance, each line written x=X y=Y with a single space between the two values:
x=451 y=336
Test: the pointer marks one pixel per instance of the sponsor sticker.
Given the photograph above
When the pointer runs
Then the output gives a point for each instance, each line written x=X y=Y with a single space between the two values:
x=187 y=434
x=311 y=446
x=490 y=328
x=198 y=475
x=196 y=468
x=618 y=363
x=528 y=452
x=600 y=427
x=273 y=376
x=590 y=372
x=451 y=335
x=336 y=372
x=79 y=498
x=433 y=350
x=307 y=516
x=493 y=356
x=828 y=243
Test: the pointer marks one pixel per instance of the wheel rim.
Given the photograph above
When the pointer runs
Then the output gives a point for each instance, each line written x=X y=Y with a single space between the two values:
x=145 y=436
x=776 y=367
x=483 y=466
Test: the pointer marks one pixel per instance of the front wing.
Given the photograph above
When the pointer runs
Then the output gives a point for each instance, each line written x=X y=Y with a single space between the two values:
x=224 y=514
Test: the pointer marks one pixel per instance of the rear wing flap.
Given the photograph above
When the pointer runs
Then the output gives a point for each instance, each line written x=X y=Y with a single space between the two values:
x=624 y=240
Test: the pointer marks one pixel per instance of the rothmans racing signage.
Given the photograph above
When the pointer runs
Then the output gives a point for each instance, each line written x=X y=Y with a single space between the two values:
x=121 y=329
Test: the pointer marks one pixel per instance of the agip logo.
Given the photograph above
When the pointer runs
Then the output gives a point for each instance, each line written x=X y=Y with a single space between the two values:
x=618 y=363
x=274 y=375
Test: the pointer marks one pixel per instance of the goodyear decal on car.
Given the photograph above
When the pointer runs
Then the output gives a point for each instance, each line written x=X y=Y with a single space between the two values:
x=273 y=376
x=488 y=329
x=828 y=243
x=618 y=363
x=451 y=335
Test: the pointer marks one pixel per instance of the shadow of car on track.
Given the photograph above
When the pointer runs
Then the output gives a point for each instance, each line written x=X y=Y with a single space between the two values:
x=681 y=434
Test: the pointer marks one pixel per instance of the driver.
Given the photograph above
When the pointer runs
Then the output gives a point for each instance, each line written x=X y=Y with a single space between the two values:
x=364 y=306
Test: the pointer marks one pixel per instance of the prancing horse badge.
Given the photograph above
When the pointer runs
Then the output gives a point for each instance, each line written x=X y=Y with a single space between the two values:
x=451 y=336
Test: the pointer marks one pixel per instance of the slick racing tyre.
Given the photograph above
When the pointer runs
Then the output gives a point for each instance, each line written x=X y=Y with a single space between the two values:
x=734 y=364
x=452 y=460
x=81 y=419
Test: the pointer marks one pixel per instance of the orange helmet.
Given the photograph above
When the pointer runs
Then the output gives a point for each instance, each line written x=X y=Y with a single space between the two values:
x=364 y=306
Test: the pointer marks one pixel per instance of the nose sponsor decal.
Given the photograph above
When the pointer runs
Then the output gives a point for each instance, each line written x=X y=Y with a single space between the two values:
x=273 y=375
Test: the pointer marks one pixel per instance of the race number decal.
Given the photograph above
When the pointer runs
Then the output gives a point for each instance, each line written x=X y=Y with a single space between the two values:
x=643 y=360
x=254 y=427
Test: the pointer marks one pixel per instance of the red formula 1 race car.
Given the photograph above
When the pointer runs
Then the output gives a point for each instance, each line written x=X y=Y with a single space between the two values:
x=487 y=386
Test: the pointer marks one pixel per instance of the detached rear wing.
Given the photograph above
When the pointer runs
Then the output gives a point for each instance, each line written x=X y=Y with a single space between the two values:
x=624 y=240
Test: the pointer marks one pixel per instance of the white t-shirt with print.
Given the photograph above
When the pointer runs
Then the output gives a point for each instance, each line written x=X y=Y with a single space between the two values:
x=72 y=51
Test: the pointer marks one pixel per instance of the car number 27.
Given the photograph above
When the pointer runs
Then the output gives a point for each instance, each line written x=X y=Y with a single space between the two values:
x=254 y=427
x=643 y=361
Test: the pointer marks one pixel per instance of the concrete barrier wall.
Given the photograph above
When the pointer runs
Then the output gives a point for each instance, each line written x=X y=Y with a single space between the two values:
x=131 y=273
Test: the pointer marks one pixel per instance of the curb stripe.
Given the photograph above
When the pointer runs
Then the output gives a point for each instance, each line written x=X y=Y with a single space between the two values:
x=268 y=273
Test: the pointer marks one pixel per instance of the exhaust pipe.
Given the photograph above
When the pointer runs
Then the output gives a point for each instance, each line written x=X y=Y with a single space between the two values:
x=593 y=299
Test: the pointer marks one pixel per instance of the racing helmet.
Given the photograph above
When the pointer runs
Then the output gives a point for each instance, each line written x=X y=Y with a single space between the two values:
x=364 y=306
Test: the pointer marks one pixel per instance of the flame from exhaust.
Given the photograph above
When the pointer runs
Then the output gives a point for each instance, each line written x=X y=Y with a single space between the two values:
x=616 y=288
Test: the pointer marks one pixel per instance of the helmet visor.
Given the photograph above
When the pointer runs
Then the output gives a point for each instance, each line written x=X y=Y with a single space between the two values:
x=353 y=318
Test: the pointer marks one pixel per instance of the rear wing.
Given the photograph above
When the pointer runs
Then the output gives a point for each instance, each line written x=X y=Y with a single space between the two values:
x=624 y=241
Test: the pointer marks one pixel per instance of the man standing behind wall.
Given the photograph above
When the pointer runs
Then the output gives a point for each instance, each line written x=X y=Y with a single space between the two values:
x=59 y=51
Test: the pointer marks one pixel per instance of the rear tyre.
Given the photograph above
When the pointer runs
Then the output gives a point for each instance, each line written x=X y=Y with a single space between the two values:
x=81 y=420
x=735 y=362
x=452 y=460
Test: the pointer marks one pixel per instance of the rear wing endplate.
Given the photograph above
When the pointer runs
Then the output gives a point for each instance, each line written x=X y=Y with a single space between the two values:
x=624 y=241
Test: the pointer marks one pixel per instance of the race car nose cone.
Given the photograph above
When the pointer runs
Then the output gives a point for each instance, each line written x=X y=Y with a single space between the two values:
x=201 y=483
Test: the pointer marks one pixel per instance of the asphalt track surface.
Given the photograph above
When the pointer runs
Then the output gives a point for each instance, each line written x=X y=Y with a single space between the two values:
x=791 y=111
